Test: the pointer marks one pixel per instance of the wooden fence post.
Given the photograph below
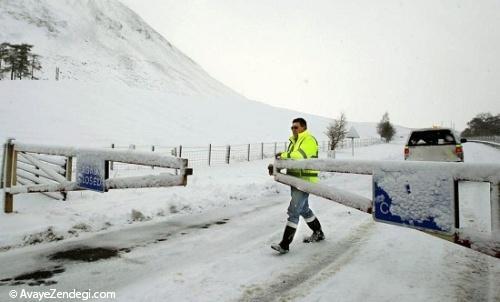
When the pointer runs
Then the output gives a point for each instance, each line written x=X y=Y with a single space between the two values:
x=275 y=148
x=228 y=153
x=2 y=173
x=209 y=153
x=180 y=151
x=9 y=168
x=153 y=150
x=69 y=168
x=248 y=155
x=68 y=171
x=262 y=150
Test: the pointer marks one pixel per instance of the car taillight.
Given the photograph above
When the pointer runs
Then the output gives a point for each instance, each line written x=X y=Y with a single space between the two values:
x=407 y=152
x=459 y=151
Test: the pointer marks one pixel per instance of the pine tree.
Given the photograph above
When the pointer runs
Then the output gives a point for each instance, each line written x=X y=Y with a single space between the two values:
x=12 y=60
x=337 y=131
x=385 y=128
x=23 y=62
x=19 y=61
x=4 y=52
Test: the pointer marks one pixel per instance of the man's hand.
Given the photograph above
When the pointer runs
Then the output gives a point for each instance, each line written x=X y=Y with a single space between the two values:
x=270 y=169
x=277 y=156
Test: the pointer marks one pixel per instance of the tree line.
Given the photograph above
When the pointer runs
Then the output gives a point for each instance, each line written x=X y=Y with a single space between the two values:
x=483 y=124
x=18 y=62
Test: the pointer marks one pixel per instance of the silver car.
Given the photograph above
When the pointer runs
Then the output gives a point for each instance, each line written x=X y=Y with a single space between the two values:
x=434 y=144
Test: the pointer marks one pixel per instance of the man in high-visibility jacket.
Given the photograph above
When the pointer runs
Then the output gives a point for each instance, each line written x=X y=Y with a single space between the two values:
x=302 y=146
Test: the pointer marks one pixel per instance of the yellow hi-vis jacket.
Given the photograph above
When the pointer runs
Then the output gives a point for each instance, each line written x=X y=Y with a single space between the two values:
x=304 y=147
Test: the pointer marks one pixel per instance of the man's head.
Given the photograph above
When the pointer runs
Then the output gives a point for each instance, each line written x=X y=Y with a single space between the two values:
x=299 y=125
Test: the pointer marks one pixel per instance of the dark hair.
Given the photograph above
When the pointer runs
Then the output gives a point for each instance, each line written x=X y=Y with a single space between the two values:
x=301 y=121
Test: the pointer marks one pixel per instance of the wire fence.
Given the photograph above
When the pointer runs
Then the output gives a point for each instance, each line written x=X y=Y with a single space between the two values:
x=214 y=155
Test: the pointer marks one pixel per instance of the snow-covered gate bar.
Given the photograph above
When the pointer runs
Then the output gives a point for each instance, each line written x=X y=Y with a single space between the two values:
x=455 y=172
x=29 y=168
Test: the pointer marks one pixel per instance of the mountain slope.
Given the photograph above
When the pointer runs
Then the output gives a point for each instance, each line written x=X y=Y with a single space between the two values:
x=123 y=83
x=91 y=40
x=73 y=112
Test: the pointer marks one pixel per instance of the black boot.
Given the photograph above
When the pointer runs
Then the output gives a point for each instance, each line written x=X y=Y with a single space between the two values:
x=284 y=245
x=317 y=234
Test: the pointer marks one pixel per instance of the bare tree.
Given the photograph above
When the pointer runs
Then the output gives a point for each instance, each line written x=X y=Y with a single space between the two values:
x=337 y=131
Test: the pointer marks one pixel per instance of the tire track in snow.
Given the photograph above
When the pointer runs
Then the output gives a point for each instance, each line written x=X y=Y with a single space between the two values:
x=32 y=258
x=298 y=281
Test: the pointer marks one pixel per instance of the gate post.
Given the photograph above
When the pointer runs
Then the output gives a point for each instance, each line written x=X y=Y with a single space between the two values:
x=111 y=163
x=68 y=171
x=9 y=168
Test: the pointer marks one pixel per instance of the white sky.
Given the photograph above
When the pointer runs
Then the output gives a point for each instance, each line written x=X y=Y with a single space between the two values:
x=425 y=62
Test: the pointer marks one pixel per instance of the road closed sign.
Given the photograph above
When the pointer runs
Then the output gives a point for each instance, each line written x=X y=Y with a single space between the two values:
x=421 y=198
x=90 y=171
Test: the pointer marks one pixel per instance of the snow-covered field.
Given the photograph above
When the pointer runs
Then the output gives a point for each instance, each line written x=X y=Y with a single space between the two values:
x=210 y=241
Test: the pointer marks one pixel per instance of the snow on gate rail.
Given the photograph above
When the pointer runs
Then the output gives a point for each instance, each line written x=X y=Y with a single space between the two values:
x=453 y=172
x=29 y=168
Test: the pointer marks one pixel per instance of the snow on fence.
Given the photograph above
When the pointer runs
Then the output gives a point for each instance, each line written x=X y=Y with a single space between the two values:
x=49 y=169
x=212 y=155
x=428 y=177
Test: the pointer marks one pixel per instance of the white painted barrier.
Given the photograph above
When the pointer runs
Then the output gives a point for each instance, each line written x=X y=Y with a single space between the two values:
x=452 y=171
x=29 y=168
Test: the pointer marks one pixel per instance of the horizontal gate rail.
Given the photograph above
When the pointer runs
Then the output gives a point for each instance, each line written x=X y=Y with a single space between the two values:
x=459 y=171
x=124 y=156
x=489 y=244
x=30 y=168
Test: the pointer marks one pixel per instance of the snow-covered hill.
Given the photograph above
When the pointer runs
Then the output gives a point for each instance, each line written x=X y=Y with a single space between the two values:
x=71 y=112
x=99 y=41
x=124 y=83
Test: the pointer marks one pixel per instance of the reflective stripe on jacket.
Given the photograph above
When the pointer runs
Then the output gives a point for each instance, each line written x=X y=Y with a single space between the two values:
x=304 y=147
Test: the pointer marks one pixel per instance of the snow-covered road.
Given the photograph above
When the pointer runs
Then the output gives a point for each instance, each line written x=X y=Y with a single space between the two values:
x=214 y=245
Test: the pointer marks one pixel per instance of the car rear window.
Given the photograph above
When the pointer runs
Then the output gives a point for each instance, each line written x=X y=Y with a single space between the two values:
x=431 y=138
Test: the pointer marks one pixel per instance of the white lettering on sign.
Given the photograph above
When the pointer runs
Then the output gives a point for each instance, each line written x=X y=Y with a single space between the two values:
x=90 y=171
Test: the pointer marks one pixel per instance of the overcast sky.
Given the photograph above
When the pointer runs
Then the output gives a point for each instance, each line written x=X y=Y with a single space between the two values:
x=426 y=62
